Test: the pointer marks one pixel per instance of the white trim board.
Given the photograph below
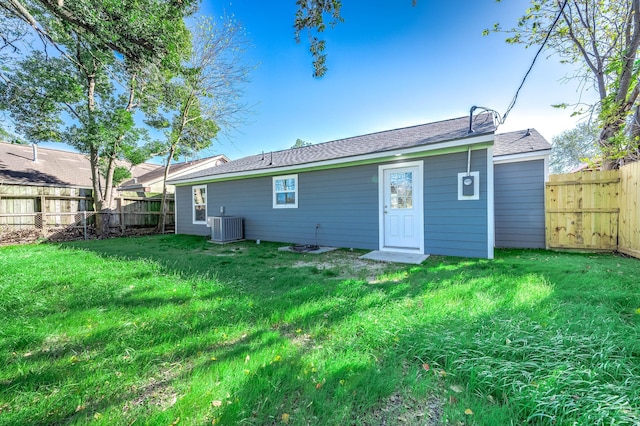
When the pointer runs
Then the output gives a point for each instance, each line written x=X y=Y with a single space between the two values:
x=491 y=220
x=175 y=213
x=517 y=158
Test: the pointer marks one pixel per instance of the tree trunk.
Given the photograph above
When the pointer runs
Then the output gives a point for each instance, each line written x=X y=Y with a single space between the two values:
x=102 y=220
x=634 y=136
x=609 y=130
x=98 y=196
x=616 y=140
x=108 y=206
x=104 y=200
x=172 y=150
x=163 y=203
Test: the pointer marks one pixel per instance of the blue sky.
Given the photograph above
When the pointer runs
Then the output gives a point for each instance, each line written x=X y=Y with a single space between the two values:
x=390 y=65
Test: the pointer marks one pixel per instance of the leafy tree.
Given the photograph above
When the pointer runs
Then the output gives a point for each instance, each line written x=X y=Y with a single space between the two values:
x=53 y=99
x=7 y=136
x=300 y=143
x=87 y=92
x=603 y=38
x=573 y=147
x=312 y=16
x=203 y=96
x=140 y=31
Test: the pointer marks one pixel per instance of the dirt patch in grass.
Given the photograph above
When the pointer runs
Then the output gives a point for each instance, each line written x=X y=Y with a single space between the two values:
x=345 y=264
x=55 y=344
x=222 y=251
x=296 y=336
x=400 y=409
x=157 y=392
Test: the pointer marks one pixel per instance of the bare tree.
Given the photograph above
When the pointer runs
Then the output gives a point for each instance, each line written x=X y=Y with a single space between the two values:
x=204 y=96
x=603 y=38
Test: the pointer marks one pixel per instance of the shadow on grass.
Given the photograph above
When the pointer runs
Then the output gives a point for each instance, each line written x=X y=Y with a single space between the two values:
x=264 y=340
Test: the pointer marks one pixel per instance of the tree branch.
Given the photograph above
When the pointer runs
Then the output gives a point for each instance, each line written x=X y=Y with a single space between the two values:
x=629 y=55
x=597 y=70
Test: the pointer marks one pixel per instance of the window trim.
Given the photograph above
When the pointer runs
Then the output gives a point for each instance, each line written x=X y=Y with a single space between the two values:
x=194 y=205
x=274 y=192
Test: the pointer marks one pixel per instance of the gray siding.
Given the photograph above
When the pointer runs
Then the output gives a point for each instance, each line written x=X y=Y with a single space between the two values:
x=519 y=204
x=184 y=213
x=344 y=202
x=452 y=227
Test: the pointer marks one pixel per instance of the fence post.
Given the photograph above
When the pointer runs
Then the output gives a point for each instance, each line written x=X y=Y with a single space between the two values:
x=84 y=223
x=43 y=216
x=121 y=215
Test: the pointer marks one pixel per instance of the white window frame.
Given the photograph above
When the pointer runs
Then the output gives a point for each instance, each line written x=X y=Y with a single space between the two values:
x=275 y=193
x=194 y=205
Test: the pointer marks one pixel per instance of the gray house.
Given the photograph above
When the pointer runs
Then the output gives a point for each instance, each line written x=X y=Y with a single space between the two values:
x=451 y=187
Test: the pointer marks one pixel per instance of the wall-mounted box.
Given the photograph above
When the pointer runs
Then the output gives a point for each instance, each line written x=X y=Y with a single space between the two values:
x=469 y=186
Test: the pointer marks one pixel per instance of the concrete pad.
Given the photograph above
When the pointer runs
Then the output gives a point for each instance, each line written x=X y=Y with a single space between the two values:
x=392 y=256
x=320 y=250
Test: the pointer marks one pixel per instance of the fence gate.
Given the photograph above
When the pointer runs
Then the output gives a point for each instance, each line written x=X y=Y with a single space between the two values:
x=582 y=211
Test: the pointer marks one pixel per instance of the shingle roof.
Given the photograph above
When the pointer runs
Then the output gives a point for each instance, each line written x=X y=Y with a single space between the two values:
x=54 y=167
x=175 y=169
x=519 y=142
x=404 y=138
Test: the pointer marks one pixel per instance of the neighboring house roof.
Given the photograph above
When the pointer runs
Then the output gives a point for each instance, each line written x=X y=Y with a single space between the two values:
x=175 y=171
x=53 y=167
x=519 y=142
x=423 y=135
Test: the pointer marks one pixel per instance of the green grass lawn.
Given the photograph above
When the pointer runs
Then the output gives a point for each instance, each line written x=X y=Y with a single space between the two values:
x=174 y=330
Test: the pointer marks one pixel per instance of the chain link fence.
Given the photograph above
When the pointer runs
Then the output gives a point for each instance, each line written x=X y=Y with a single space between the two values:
x=17 y=228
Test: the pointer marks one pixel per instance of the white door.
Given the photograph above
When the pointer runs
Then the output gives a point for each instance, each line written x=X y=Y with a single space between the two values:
x=402 y=209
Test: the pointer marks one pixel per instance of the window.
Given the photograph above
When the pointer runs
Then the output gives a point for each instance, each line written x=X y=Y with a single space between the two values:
x=199 y=197
x=401 y=188
x=285 y=192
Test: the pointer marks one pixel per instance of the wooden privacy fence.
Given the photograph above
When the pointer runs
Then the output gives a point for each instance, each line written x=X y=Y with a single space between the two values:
x=595 y=211
x=67 y=214
x=629 y=203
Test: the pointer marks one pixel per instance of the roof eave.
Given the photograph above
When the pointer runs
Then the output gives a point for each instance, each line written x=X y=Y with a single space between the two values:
x=521 y=156
x=474 y=139
x=56 y=184
x=130 y=187
x=173 y=175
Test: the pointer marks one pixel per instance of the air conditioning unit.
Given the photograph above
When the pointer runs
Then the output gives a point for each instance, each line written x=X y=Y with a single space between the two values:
x=225 y=228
